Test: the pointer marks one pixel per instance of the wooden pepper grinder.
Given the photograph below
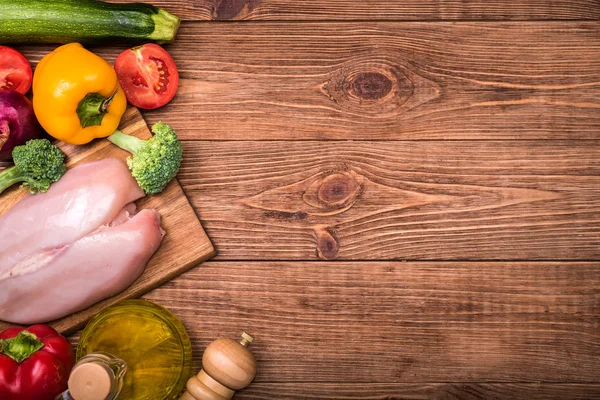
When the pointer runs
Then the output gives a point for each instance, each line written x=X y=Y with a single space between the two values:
x=227 y=366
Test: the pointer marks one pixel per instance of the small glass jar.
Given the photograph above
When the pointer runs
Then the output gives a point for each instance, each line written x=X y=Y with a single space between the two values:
x=97 y=376
x=151 y=340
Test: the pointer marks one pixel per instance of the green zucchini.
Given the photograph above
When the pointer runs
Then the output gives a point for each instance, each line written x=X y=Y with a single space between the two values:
x=85 y=21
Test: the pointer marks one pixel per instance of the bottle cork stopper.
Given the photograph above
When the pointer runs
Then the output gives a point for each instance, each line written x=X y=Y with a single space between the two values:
x=227 y=366
x=90 y=381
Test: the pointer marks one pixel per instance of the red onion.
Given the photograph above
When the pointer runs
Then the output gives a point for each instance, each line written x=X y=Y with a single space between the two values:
x=17 y=122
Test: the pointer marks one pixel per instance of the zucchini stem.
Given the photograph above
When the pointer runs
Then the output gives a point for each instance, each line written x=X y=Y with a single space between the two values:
x=166 y=26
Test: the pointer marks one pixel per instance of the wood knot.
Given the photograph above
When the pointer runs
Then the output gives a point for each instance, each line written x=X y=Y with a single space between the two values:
x=322 y=194
x=335 y=191
x=327 y=243
x=233 y=9
x=370 y=85
x=379 y=88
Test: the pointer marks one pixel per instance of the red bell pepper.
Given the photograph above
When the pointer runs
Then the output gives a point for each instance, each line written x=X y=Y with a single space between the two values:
x=34 y=363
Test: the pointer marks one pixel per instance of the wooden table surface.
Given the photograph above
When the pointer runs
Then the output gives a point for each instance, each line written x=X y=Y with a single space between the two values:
x=404 y=194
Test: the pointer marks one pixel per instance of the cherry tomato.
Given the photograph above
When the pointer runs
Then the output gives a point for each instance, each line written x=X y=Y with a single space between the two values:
x=148 y=76
x=15 y=71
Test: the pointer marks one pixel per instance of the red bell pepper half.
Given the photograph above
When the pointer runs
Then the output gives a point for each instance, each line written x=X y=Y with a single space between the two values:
x=34 y=363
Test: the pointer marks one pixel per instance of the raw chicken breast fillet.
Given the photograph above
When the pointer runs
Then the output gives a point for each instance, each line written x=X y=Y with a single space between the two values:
x=78 y=243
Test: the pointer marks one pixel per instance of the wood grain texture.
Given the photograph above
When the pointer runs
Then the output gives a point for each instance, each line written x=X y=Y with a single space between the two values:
x=399 y=10
x=386 y=81
x=436 y=200
x=480 y=142
x=184 y=246
x=382 y=81
x=394 y=322
x=428 y=391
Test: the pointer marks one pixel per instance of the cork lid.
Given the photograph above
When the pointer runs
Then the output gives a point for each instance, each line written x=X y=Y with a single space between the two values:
x=90 y=381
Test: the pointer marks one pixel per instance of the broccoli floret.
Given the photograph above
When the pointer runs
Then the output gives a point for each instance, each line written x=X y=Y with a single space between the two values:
x=155 y=161
x=38 y=164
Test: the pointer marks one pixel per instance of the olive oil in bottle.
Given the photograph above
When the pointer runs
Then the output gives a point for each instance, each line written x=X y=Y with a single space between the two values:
x=150 y=340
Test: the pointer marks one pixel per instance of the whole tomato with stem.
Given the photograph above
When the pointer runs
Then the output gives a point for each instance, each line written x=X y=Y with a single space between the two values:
x=35 y=363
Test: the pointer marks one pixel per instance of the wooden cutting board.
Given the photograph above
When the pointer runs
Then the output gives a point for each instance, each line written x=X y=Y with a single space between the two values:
x=184 y=246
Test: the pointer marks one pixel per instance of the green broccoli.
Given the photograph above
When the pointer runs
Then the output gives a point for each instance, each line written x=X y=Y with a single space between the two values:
x=155 y=161
x=38 y=164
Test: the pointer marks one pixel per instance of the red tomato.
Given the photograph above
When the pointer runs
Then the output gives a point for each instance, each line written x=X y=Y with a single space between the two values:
x=148 y=76
x=15 y=71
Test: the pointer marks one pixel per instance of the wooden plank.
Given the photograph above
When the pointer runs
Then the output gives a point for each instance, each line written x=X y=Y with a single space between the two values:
x=382 y=81
x=394 y=322
x=399 y=10
x=427 y=391
x=184 y=246
x=387 y=81
x=434 y=200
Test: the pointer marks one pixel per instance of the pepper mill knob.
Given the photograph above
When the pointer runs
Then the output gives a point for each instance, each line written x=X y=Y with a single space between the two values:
x=227 y=366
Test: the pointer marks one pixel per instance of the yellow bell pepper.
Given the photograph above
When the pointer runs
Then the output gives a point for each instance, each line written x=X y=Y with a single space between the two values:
x=76 y=95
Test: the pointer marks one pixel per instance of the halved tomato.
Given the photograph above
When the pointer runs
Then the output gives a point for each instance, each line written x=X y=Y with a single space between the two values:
x=15 y=71
x=148 y=76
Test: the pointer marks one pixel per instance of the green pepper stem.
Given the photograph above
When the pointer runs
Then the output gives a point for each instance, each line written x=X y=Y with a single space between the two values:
x=9 y=177
x=106 y=103
x=127 y=142
x=21 y=347
x=93 y=107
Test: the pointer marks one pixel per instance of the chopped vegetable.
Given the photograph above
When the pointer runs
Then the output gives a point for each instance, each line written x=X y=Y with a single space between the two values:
x=76 y=95
x=38 y=164
x=155 y=161
x=148 y=76
x=17 y=122
x=64 y=21
x=15 y=71
x=34 y=363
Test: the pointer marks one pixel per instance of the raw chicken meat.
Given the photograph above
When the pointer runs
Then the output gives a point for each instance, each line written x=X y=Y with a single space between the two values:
x=66 y=249
x=93 y=268
x=85 y=198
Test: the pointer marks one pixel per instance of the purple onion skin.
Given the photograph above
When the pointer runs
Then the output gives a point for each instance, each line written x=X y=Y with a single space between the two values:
x=17 y=122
